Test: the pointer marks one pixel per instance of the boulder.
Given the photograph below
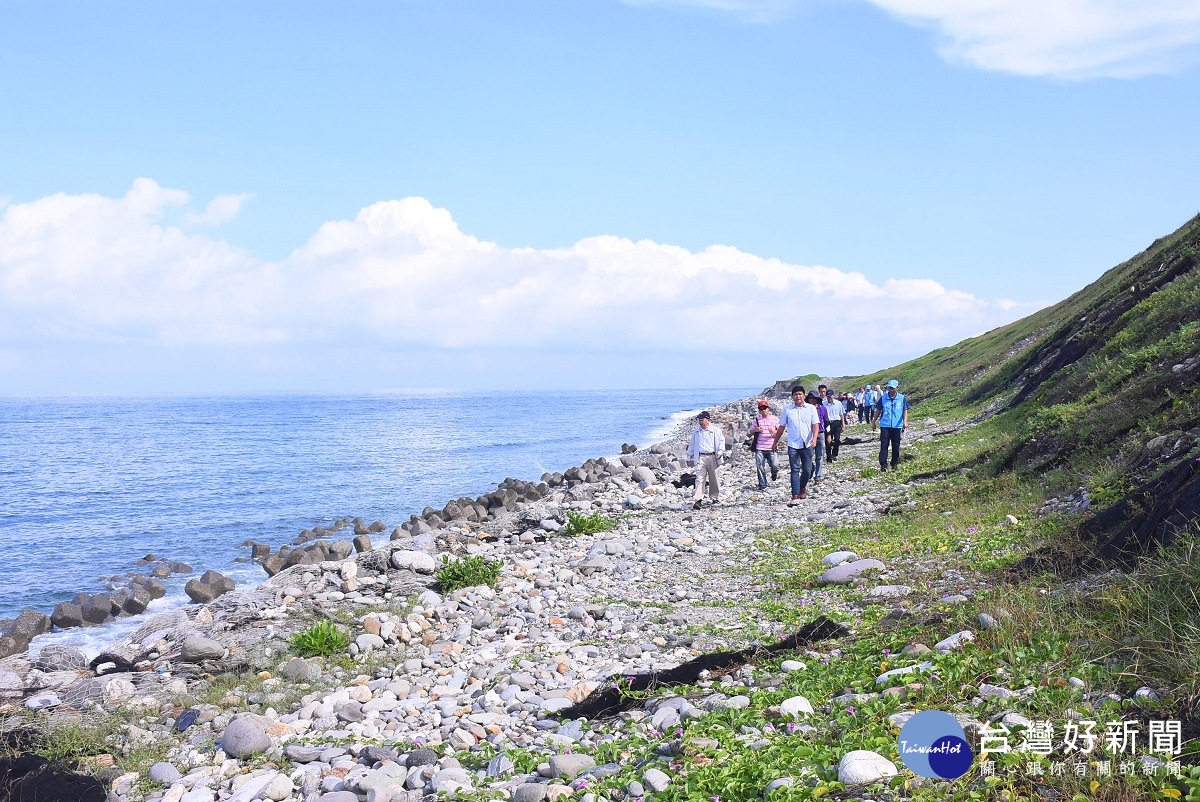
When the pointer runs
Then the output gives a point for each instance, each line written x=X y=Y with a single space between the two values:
x=197 y=649
x=67 y=615
x=243 y=738
x=644 y=474
x=838 y=557
x=27 y=626
x=95 y=608
x=570 y=765
x=341 y=549
x=209 y=586
x=417 y=561
x=299 y=670
x=137 y=601
x=363 y=543
x=864 y=766
x=795 y=707
x=849 y=572
x=155 y=588
x=273 y=564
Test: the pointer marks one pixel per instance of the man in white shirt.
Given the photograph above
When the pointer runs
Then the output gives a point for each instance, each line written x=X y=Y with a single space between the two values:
x=800 y=422
x=837 y=414
x=705 y=450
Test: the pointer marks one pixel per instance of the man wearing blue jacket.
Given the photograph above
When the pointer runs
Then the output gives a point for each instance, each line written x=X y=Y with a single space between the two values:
x=893 y=420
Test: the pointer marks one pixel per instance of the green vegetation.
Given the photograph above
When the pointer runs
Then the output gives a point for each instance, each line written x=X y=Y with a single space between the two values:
x=579 y=524
x=468 y=572
x=321 y=639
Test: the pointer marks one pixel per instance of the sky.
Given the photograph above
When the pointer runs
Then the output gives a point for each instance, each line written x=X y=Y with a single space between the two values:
x=232 y=197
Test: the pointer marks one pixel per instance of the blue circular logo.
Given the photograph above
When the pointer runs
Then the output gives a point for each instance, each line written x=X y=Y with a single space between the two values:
x=933 y=744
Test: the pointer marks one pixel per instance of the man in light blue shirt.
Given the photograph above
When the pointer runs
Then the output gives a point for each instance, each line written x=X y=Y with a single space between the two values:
x=893 y=420
x=800 y=422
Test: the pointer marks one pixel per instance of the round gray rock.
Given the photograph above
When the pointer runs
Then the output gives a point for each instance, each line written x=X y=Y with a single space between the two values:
x=243 y=738
x=197 y=649
x=164 y=773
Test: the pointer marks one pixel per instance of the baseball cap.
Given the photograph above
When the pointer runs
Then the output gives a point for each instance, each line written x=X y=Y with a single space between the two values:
x=703 y=414
x=893 y=383
x=762 y=404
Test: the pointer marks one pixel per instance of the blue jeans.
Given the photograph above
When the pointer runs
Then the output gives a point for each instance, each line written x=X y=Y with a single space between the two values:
x=801 y=462
x=889 y=435
x=762 y=459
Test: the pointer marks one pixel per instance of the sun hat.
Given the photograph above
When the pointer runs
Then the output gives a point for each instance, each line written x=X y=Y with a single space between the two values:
x=893 y=383
x=868 y=387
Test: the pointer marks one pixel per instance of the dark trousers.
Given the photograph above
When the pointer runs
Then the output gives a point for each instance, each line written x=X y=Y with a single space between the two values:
x=834 y=443
x=889 y=435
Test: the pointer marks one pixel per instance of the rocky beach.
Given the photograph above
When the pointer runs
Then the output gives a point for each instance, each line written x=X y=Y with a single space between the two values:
x=433 y=683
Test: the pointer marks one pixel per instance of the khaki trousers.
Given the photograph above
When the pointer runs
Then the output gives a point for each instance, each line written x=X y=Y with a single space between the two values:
x=707 y=475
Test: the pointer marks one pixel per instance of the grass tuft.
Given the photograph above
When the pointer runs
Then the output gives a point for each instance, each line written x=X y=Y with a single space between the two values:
x=321 y=639
x=578 y=524
x=468 y=572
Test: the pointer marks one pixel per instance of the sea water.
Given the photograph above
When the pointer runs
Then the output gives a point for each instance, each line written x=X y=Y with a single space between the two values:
x=90 y=485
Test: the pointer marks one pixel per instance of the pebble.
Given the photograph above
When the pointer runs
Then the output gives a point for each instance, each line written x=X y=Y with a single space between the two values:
x=657 y=780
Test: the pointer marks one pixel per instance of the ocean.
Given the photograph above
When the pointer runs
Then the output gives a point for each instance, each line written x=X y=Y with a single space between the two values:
x=90 y=485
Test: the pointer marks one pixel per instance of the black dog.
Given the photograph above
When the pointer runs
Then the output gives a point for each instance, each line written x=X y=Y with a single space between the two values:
x=685 y=480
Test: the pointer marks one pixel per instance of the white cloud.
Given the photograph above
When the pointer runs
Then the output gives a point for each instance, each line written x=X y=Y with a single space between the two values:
x=1071 y=39
x=220 y=209
x=1066 y=38
x=89 y=269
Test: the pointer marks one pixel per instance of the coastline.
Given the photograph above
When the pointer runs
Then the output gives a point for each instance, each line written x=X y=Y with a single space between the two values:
x=443 y=672
x=94 y=634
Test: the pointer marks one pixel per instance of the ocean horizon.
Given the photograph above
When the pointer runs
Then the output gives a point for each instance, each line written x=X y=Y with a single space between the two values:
x=89 y=485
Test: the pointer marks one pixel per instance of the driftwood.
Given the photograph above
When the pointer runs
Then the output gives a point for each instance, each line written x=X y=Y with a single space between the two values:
x=611 y=700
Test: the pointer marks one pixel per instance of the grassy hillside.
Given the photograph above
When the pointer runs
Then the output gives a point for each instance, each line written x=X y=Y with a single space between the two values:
x=1100 y=390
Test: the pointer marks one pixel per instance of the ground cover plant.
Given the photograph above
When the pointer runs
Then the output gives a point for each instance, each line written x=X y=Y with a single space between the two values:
x=321 y=639
x=580 y=524
x=467 y=572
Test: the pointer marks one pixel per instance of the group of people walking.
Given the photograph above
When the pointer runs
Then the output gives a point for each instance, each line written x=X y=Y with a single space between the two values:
x=813 y=425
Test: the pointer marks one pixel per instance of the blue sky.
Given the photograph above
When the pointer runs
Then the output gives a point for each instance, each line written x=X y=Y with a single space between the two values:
x=1006 y=152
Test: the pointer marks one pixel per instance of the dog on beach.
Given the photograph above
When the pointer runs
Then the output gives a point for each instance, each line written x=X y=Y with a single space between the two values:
x=685 y=480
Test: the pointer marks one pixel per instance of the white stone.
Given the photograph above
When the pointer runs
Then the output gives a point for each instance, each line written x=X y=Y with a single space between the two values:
x=889 y=591
x=954 y=642
x=792 y=665
x=864 y=766
x=417 y=561
x=838 y=557
x=795 y=707
x=886 y=676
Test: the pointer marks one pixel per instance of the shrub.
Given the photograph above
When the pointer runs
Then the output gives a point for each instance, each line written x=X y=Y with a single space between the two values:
x=867 y=473
x=468 y=572
x=578 y=524
x=321 y=639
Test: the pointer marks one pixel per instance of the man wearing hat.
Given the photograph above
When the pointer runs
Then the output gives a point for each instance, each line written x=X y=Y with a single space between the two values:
x=705 y=450
x=893 y=420
x=765 y=426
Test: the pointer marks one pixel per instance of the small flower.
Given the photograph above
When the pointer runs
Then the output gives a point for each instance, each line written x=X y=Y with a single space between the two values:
x=971 y=529
x=850 y=709
x=791 y=727
x=886 y=652
x=714 y=799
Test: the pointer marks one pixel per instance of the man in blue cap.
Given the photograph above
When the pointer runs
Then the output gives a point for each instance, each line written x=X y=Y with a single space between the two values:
x=893 y=420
